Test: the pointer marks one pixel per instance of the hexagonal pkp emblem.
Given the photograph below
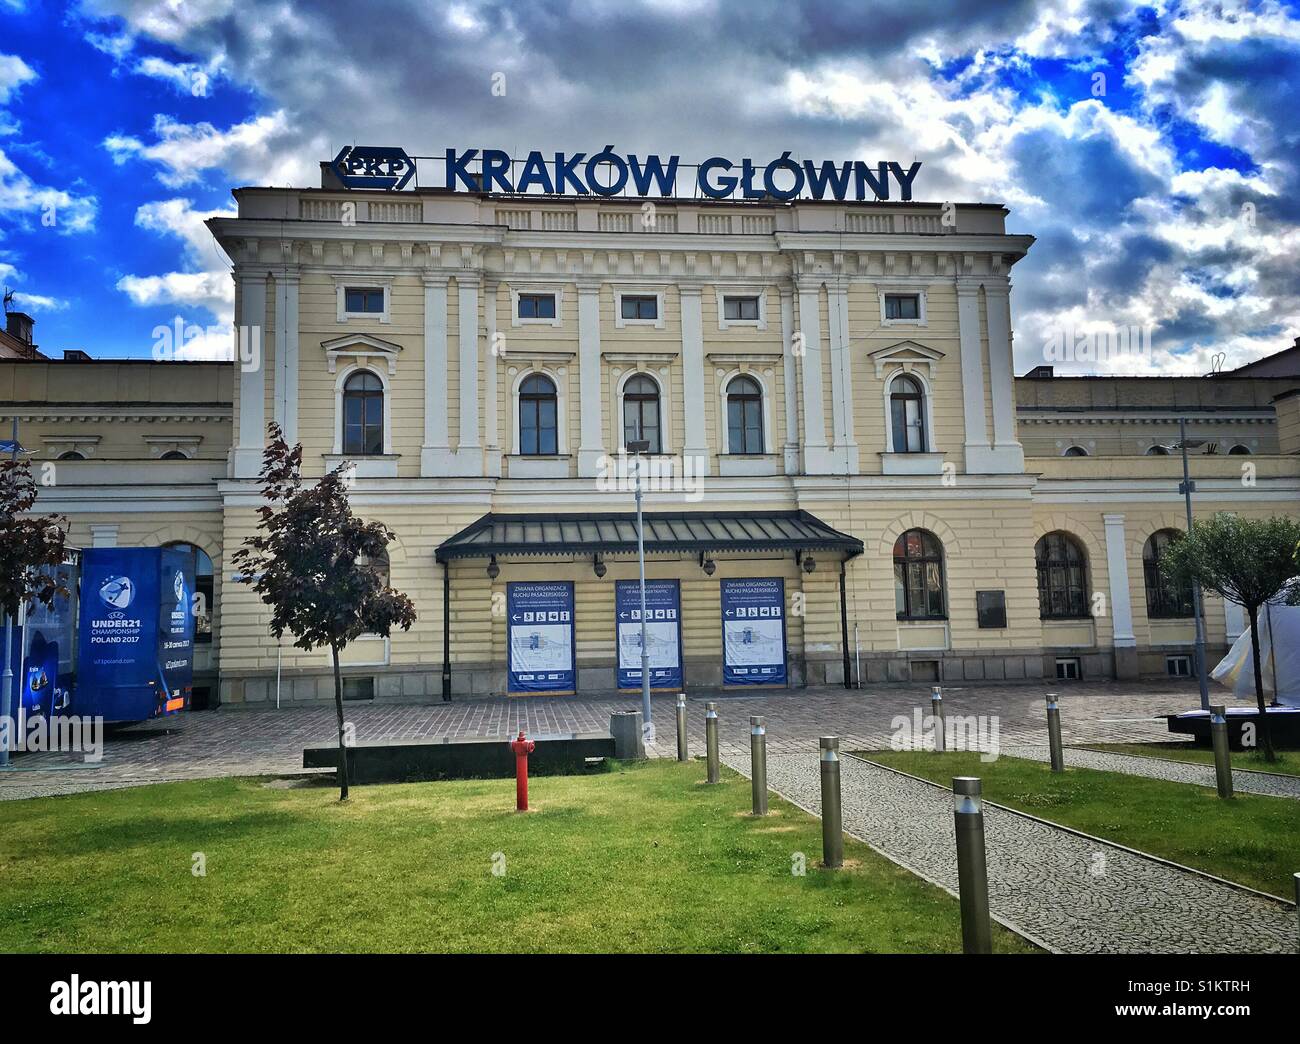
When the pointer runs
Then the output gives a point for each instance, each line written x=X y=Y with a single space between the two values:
x=373 y=167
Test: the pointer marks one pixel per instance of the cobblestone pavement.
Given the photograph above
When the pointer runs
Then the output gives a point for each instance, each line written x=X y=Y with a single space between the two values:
x=1243 y=780
x=1070 y=893
x=238 y=741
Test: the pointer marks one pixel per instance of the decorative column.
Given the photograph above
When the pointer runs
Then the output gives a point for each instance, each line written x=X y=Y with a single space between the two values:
x=979 y=456
x=491 y=361
x=286 y=354
x=845 y=448
x=1007 y=451
x=467 y=286
x=817 y=459
x=1121 y=604
x=789 y=369
x=250 y=358
x=591 y=446
x=694 y=380
x=435 y=452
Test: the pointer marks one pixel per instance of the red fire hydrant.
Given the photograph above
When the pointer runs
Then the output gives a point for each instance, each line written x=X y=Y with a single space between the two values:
x=522 y=746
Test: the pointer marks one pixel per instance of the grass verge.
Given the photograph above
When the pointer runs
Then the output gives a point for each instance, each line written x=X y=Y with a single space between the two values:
x=643 y=858
x=1250 y=839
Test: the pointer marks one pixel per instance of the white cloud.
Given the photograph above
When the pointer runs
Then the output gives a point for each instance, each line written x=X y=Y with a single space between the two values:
x=14 y=72
x=19 y=194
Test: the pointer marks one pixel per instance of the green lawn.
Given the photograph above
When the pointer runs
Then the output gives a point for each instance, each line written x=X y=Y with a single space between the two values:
x=642 y=858
x=1288 y=762
x=1251 y=839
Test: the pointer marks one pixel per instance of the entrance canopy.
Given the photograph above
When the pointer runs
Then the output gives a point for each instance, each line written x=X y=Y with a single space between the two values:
x=615 y=533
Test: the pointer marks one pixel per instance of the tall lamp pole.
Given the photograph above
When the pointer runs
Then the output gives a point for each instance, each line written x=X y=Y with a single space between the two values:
x=636 y=448
x=1186 y=488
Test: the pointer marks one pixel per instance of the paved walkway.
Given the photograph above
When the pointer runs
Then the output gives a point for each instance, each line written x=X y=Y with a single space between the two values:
x=264 y=741
x=1245 y=781
x=1069 y=893
x=237 y=741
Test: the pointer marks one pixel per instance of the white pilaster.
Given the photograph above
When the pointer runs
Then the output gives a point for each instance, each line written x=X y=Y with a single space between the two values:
x=435 y=452
x=1121 y=604
x=979 y=456
x=591 y=447
x=286 y=355
x=817 y=459
x=103 y=534
x=845 y=448
x=696 y=446
x=491 y=361
x=250 y=358
x=467 y=286
x=1007 y=451
x=789 y=370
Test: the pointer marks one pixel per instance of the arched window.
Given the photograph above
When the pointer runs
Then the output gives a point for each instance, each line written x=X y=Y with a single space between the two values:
x=71 y=455
x=1239 y=451
x=204 y=590
x=918 y=576
x=907 y=414
x=1158 y=451
x=1165 y=600
x=173 y=455
x=1062 y=577
x=363 y=415
x=538 y=434
x=744 y=416
x=641 y=412
x=1075 y=451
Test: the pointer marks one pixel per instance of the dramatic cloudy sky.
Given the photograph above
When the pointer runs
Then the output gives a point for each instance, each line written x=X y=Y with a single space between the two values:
x=1153 y=150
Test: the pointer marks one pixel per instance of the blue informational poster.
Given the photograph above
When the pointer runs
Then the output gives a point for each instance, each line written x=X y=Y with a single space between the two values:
x=753 y=631
x=47 y=643
x=663 y=627
x=133 y=650
x=539 y=629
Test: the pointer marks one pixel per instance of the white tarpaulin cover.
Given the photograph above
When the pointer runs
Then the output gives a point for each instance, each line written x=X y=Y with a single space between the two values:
x=1279 y=651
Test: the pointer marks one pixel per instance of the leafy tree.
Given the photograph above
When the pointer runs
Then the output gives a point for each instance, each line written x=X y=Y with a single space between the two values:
x=1247 y=560
x=31 y=551
x=312 y=561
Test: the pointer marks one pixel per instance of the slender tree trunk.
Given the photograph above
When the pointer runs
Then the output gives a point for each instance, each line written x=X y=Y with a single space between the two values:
x=338 y=707
x=1264 y=733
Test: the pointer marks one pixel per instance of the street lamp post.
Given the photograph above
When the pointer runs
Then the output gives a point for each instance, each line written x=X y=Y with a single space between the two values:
x=636 y=448
x=1186 y=488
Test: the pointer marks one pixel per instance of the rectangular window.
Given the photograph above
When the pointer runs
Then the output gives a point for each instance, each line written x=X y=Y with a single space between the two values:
x=536 y=306
x=358 y=688
x=1178 y=666
x=902 y=306
x=740 y=308
x=1067 y=669
x=357 y=299
x=640 y=307
x=991 y=607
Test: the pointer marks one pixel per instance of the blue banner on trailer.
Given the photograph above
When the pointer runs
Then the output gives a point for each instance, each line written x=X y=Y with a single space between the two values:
x=753 y=631
x=663 y=606
x=48 y=664
x=539 y=618
x=135 y=653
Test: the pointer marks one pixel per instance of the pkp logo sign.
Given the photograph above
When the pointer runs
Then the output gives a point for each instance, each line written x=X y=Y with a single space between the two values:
x=373 y=167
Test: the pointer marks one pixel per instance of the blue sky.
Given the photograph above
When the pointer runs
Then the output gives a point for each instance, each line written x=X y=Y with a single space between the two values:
x=1151 y=149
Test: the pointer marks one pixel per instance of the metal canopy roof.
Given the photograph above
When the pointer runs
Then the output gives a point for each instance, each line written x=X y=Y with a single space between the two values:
x=615 y=532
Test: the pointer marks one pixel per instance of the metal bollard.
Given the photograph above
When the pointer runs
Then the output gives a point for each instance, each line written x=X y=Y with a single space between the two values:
x=972 y=872
x=1054 y=733
x=936 y=712
x=711 y=740
x=681 y=727
x=758 y=764
x=832 y=818
x=1222 y=759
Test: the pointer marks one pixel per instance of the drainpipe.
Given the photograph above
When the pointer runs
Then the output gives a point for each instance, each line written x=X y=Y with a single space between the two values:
x=844 y=628
x=446 y=631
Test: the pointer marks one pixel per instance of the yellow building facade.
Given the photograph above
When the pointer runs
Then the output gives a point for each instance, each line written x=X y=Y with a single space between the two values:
x=831 y=383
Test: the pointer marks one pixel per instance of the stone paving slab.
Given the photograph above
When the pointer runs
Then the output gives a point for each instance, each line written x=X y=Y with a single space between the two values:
x=1243 y=780
x=1071 y=893
x=264 y=741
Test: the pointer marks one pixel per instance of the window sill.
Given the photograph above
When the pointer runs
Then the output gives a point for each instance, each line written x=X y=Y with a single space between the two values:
x=377 y=465
x=521 y=465
x=911 y=463
x=748 y=464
